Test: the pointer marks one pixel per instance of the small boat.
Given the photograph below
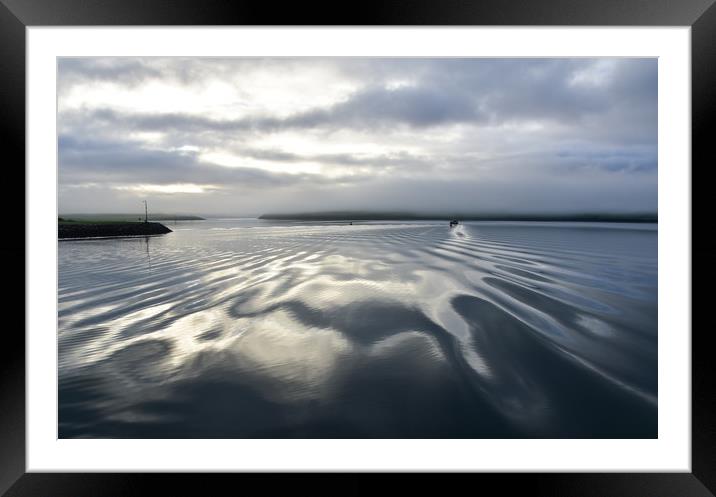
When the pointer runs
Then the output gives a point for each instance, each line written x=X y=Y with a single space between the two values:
x=454 y=223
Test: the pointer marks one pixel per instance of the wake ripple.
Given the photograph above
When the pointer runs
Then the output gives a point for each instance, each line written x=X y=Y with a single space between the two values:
x=386 y=330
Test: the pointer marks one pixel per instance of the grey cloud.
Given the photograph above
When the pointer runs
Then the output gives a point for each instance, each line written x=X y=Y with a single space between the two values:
x=120 y=70
x=380 y=161
x=132 y=71
x=590 y=137
x=86 y=161
x=416 y=107
x=496 y=92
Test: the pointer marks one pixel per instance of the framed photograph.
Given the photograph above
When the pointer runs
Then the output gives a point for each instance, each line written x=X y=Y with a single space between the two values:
x=449 y=239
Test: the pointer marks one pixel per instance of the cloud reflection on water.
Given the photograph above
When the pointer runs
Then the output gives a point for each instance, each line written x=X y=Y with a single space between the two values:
x=404 y=330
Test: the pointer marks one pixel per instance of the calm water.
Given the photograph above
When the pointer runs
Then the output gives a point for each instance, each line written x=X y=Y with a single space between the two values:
x=243 y=328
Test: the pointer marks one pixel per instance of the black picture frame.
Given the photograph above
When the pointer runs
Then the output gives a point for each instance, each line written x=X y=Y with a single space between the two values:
x=16 y=15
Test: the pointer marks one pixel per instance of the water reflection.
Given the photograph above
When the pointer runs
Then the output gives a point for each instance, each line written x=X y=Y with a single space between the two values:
x=149 y=257
x=242 y=329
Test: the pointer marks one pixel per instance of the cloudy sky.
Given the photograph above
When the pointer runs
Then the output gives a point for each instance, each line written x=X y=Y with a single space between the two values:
x=247 y=136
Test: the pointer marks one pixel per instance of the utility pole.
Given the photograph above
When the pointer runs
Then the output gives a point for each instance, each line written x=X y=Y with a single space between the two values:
x=145 y=210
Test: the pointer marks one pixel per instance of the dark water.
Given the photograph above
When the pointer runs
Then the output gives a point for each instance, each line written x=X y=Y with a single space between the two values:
x=242 y=329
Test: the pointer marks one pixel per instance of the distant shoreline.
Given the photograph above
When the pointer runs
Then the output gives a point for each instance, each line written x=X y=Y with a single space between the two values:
x=69 y=230
x=394 y=216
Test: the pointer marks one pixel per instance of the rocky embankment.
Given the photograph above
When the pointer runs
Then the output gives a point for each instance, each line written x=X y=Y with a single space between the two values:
x=89 y=230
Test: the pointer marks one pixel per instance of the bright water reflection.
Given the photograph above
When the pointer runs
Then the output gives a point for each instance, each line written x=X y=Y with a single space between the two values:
x=243 y=328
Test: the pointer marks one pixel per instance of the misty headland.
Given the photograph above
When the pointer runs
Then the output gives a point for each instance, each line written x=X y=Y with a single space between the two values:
x=367 y=215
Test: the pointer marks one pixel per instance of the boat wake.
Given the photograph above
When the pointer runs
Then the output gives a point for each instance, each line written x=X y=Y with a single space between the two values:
x=383 y=330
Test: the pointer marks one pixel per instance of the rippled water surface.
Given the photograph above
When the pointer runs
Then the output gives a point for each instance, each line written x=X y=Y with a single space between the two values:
x=244 y=328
